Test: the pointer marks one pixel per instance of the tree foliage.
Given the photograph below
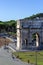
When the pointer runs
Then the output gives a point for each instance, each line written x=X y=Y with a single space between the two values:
x=34 y=16
x=8 y=26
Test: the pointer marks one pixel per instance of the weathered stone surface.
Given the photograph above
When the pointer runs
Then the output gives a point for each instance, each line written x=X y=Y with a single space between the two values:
x=25 y=30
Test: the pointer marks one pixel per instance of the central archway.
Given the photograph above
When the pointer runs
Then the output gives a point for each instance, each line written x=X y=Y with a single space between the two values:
x=35 y=39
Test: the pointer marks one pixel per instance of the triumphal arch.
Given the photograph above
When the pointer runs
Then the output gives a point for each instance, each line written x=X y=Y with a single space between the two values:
x=29 y=33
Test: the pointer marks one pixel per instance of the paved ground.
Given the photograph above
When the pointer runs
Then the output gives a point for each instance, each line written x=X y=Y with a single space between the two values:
x=6 y=59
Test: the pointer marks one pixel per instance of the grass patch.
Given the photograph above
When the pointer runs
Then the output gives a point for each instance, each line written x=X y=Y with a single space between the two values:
x=30 y=57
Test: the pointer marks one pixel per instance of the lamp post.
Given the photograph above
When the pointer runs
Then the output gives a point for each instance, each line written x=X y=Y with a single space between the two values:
x=36 y=57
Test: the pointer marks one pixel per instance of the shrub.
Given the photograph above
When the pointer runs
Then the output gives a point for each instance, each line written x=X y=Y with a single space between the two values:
x=28 y=61
x=20 y=58
x=17 y=56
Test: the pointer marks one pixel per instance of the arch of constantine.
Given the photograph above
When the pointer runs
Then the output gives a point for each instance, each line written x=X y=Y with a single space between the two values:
x=29 y=33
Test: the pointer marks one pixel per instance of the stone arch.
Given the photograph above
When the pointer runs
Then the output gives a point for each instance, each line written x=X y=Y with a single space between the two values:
x=25 y=43
x=35 y=39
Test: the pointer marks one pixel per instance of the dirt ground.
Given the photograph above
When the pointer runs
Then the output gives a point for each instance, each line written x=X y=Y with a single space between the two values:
x=4 y=41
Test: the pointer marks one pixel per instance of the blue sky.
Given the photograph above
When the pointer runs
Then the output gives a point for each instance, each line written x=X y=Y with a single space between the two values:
x=18 y=9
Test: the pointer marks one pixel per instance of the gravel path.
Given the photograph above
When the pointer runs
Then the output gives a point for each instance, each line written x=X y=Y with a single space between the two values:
x=6 y=58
